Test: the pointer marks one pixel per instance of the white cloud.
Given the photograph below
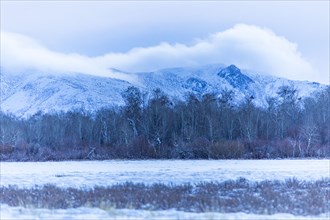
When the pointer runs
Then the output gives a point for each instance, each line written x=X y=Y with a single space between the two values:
x=19 y=53
x=247 y=46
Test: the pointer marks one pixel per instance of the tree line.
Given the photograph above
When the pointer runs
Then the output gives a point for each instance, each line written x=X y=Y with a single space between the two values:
x=154 y=126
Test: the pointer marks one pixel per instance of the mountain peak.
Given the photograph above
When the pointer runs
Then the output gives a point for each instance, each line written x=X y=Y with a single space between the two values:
x=230 y=70
x=234 y=69
x=235 y=77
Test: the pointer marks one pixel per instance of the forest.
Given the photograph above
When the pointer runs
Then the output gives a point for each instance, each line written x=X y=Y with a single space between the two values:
x=152 y=126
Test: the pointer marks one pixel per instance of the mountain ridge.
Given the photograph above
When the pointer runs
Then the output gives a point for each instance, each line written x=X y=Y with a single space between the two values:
x=28 y=93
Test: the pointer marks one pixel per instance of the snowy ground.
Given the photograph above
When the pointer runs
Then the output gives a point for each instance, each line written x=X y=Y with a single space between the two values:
x=18 y=213
x=103 y=173
x=91 y=173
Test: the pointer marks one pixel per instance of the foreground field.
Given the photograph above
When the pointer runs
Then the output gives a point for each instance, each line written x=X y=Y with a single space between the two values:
x=174 y=189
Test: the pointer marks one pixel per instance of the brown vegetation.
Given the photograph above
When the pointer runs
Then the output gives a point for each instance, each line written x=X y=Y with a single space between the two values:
x=266 y=197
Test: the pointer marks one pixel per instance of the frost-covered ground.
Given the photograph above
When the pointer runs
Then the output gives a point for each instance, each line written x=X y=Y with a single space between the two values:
x=18 y=213
x=88 y=174
x=104 y=173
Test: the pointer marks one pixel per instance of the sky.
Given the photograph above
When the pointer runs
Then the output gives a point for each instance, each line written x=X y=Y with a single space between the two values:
x=282 y=38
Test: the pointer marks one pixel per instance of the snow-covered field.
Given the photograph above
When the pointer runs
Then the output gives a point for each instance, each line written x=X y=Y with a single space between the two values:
x=103 y=173
x=86 y=174
x=18 y=213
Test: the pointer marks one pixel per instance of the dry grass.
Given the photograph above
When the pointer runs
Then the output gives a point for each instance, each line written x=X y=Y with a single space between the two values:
x=266 y=197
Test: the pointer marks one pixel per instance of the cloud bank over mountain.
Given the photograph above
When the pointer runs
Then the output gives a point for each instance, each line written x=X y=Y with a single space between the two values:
x=247 y=46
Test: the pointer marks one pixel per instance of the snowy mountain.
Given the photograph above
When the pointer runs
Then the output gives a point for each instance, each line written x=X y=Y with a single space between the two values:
x=25 y=94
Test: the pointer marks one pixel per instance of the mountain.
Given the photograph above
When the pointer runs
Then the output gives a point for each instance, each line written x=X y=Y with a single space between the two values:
x=26 y=93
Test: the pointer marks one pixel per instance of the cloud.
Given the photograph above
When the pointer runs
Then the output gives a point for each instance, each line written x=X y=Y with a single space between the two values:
x=247 y=46
x=19 y=53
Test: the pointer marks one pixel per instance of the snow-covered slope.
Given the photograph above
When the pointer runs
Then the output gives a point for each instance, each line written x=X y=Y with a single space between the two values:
x=27 y=93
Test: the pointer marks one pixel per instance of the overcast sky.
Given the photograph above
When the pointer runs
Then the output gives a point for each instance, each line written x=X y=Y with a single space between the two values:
x=284 y=38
